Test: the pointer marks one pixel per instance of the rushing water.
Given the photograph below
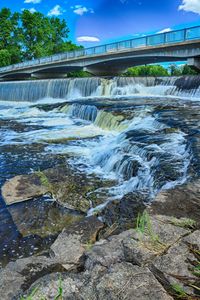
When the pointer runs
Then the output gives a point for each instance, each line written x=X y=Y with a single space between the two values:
x=142 y=133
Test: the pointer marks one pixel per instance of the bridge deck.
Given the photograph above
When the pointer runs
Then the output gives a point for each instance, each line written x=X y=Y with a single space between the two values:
x=178 y=37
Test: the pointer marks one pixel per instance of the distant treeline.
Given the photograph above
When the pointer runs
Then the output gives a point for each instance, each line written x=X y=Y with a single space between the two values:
x=27 y=35
x=158 y=70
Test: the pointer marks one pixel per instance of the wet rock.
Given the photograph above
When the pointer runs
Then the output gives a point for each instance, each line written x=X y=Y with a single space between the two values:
x=180 y=202
x=22 y=188
x=71 y=244
x=125 y=211
x=42 y=217
x=68 y=188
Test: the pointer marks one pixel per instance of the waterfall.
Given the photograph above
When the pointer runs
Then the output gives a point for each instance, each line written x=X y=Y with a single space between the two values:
x=76 y=88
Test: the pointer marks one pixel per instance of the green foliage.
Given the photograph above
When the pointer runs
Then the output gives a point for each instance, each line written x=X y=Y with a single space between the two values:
x=5 y=58
x=158 y=70
x=29 y=35
x=32 y=294
x=187 y=70
x=184 y=222
x=60 y=290
x=148 y=237
x=150 y=70
x=79 y=74
x=179 y=291
x=44 y=180
x=175 y=70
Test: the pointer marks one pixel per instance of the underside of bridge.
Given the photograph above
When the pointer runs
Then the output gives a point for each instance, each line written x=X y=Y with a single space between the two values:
x=55 y=72
x=117 y=66
x=109 y=67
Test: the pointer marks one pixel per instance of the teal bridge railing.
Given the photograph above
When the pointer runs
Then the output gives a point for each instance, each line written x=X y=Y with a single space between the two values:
x=171 y=37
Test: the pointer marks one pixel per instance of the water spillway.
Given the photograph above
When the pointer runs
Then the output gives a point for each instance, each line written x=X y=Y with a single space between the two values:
x=139 y=134
x=100 y=87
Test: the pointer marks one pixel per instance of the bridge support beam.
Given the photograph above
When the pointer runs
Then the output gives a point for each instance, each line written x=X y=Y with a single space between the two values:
x=194 y=63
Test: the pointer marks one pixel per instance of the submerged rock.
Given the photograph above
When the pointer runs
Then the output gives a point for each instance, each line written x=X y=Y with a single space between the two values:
x=67 y=187
x=22 y=188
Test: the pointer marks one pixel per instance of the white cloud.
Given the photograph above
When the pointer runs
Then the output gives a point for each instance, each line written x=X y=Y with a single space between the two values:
x=32 y=10
x=32 y=1
x=190 y=6
x=88 y=39
x=56 y=11
x=165 y=30
x=80 y=10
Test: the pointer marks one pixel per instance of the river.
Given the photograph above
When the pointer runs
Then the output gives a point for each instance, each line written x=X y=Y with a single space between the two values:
x=141 y=134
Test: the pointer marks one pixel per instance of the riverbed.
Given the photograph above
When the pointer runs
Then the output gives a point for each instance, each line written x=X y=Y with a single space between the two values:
x=138 y=135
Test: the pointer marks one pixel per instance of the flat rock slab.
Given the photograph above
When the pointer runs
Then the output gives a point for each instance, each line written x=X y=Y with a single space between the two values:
x=70 y=189
x=180 y=202
x=120 y=281
x=21 y=188
x=71 y=244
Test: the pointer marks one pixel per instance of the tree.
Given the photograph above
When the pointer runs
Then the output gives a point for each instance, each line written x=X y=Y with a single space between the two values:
x=150 y=70
x=187 y=70
x=29 y=35
x=10 y=34
x=175 y=70
x=5 y=58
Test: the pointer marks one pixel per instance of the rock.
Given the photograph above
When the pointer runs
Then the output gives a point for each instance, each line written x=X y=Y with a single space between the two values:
x=125 y=211
x=18 y=275
x=48 y=287
x=71 y=244
x=10 y=284
x=125 y=281
x=22 y=188
x=67 y=188
x=180 y=202
x=43 y=218
x=120 y=281
x=107 y=252
x=176 y=264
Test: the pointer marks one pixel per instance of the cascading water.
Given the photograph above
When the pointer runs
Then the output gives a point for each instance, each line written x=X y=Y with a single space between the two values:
x=137 y=134
x=71 y=89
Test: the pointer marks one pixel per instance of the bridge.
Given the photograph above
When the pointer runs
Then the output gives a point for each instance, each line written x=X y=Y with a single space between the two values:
x=114 y=58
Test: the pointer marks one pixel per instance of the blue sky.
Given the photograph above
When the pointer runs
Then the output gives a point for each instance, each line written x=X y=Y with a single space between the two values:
x=93 y=22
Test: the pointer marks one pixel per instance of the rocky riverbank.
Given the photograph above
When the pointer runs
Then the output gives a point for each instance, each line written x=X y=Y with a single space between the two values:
x=158 y=258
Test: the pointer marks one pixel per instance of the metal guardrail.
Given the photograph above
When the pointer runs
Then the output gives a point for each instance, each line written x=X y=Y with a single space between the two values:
x=166 y=38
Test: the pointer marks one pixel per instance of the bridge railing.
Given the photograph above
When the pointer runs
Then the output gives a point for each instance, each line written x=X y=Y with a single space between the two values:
x=176 y=36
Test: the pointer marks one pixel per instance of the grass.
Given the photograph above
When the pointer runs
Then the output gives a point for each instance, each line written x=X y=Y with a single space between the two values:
x=32 y=294
x=184 y=223
x=60 y=290
x=59 y=295
x=144 y=227
x=89 y=245
x=179 y=291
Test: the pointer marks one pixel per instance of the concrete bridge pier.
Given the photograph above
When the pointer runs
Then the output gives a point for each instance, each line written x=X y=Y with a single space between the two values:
x=194 y=63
